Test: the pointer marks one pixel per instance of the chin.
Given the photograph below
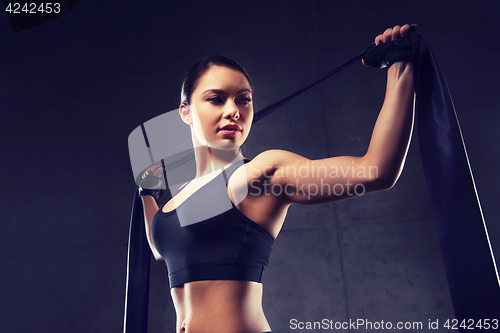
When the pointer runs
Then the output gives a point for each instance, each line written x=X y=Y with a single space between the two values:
x=224 y=145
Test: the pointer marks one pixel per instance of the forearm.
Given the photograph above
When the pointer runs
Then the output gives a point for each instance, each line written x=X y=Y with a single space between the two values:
x=392 y=132
x=150 y=208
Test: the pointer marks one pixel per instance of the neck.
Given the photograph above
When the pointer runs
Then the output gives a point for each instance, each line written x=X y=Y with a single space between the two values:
x=209 y=159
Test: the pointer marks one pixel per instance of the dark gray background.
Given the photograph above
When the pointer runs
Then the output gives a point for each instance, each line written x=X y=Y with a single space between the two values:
x=74 y=88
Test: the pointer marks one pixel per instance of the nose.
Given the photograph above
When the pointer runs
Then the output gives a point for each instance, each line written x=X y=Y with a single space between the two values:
x=231 y=111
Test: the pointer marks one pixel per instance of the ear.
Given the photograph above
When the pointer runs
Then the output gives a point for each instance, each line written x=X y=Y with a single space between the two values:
x=185 y=114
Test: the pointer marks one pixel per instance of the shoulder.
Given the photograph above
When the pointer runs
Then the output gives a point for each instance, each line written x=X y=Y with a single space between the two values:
x=269 y=165
x=274 y=158
x=267 y=162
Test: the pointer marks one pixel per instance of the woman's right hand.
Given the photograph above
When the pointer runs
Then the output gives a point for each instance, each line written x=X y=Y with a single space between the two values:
x=152 y=182
x=152 y=178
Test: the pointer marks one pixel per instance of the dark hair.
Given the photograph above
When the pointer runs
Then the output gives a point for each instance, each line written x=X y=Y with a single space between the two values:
x=200 y=67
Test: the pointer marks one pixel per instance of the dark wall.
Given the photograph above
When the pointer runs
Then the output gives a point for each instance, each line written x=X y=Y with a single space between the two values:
x=74 y=88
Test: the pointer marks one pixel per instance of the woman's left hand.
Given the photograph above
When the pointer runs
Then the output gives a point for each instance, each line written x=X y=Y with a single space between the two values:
x=392 y=34
x=385 y=51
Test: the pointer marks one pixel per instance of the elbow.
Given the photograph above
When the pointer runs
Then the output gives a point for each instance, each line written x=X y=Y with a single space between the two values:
x=383 y=182
x=388 y=183
x=382 y=175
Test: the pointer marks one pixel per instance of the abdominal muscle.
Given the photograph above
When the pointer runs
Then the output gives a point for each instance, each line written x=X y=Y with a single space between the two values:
x=219 y=307
x=225 y=306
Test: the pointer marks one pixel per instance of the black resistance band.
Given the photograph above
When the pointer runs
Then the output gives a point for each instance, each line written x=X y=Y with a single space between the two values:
x=467 y=255
x=273 y=107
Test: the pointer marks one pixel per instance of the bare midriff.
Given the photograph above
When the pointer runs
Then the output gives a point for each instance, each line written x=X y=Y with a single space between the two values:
x=219 y=307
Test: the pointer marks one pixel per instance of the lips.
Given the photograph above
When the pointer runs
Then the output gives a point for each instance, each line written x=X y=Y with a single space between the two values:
x=230 y=129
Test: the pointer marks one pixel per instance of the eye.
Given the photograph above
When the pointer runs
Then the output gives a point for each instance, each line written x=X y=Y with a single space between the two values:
x=245 y=100
x=217 y=100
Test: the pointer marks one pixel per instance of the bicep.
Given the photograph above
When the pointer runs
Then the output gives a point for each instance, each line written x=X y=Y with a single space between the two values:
x=296 y=179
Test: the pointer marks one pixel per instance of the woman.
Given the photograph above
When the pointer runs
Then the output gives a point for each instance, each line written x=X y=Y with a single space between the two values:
x=216 y=266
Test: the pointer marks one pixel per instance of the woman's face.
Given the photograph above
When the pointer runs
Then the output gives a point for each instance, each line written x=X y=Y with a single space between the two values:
x=223 y=111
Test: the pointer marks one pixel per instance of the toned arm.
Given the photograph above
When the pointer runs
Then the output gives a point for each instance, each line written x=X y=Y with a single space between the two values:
x=321 y=181
x=150 y=208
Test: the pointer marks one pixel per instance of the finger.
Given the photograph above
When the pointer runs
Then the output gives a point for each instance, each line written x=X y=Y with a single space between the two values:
x=387 y=35
x=396 y=32
x=158 y=172
x=378 y=39
x=152 y=169
x=384 y=37
x=405 y=30
x=147 y=172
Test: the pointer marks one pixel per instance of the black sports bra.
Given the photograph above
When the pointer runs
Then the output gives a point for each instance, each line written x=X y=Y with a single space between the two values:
x=207 y=238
